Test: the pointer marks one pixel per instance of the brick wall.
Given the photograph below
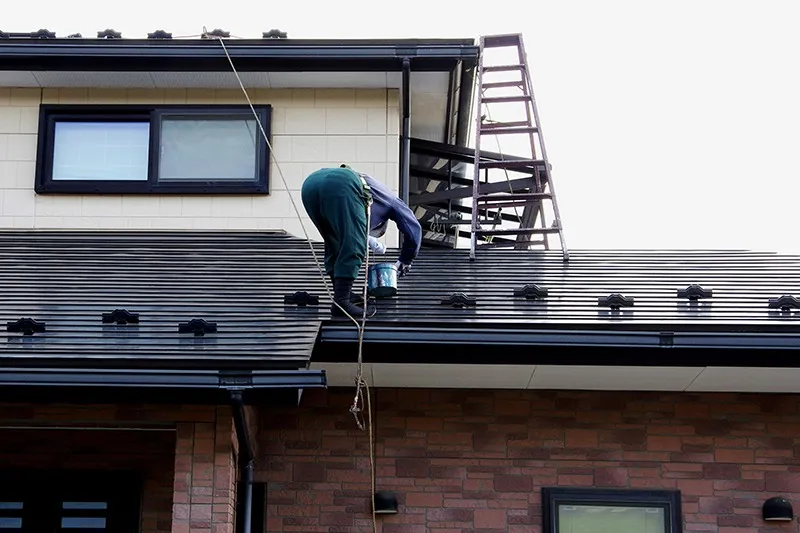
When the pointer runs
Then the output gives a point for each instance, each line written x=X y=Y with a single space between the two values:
x=188 y=465
x=150 y=453
x=475 y=460
x=205 y=476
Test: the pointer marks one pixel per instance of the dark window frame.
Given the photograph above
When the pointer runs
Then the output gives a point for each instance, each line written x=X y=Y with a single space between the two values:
x=669 y=500
x=44 y=491
x=49 y=114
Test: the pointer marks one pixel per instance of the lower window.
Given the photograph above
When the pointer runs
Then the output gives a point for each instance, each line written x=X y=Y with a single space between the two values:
x=152 y=149
x=33 y=501
x=611 y=511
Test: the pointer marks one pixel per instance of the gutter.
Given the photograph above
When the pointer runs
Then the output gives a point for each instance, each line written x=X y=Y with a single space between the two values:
x=664 y=338
x=246 y=460
x=249 y=55
x=405 y=132
x=466 y=102
x=163 y=379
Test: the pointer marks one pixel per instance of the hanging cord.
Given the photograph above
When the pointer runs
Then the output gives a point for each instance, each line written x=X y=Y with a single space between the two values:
x=361 y=383
x=288 y=192
x=359 y=379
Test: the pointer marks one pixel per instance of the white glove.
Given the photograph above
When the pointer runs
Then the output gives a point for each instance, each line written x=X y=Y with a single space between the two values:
x=376 y=246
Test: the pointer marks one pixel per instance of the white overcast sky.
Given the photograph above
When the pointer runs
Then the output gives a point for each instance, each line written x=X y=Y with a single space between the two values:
x=669 y=124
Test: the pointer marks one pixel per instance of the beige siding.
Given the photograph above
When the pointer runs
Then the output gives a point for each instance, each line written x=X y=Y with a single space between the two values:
x=311 y=128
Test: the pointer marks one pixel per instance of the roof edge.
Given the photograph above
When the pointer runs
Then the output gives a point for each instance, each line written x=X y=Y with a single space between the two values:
x=162 y=379
x=250 y=55
x=668 y=336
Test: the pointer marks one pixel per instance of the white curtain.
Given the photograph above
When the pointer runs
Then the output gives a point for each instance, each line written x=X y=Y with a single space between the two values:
x=101 y=151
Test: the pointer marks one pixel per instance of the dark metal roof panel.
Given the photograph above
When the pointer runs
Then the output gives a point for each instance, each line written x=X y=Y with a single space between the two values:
x=239 y=280
x=70 y=279
x=742 y=283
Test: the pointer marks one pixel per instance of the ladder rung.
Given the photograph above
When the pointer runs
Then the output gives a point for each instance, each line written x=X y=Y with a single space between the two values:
x=497 y=41
x=500 y=130
x=517 y=231
x=511 y=200
x=514 y=196
x=509 y=204
x=516 y=163
x=503 y=68
x=504 y=99
x=509 y=244
x=501 y=84
x=513 y=124
x=453 y=222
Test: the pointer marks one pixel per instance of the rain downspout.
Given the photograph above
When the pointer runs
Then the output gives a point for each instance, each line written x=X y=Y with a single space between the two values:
x=405 y=132
x=246 y=459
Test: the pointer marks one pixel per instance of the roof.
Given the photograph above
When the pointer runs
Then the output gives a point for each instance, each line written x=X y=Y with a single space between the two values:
x=250 y=55
x=239 y=280
x=70 y=280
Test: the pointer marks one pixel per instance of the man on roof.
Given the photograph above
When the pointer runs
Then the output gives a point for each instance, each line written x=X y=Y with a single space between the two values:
x=336 y=200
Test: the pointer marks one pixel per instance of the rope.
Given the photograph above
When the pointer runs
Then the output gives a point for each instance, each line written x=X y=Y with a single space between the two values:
x=360 y=382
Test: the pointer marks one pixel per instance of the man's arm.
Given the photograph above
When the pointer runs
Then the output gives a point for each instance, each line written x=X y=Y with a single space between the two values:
x=409 y=226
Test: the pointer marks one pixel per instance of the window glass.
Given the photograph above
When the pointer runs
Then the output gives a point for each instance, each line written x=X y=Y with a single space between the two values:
x=83 y=522
x=10 y=522
x=84 y=505
x=7 y=522
x=610 y=519
x=101 y=151
x=10 y=505
x=208 y=149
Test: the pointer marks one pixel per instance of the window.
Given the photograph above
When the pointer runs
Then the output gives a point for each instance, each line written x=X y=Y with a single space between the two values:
x=611 y=511
x=152 y=149
x=69 y=502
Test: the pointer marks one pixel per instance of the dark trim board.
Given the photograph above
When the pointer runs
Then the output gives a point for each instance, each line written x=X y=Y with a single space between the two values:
x=206 y=55
x=172 y=379
x=563 y=350
x=160 y=386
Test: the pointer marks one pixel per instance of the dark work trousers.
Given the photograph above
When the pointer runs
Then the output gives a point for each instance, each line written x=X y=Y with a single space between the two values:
x=337 y=201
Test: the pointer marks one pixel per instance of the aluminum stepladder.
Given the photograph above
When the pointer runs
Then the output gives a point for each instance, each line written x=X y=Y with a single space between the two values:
x=531 y=187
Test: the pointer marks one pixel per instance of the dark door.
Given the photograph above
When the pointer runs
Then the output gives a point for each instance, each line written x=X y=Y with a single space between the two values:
x=69 y=502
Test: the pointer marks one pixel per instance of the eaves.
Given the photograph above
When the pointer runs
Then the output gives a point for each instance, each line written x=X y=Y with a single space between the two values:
x=659 y=345
x=162 y=379
x=202 y=55
x=655 y=338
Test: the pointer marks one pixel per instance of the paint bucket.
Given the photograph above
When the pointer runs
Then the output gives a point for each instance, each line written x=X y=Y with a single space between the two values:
x=382 y=280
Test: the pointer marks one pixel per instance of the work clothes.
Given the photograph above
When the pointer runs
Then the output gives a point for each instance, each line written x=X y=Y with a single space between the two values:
x=336 y=201
x=387 y=206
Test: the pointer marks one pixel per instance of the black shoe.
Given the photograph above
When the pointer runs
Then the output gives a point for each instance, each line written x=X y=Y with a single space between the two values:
x=355 y=297
x=342 y=295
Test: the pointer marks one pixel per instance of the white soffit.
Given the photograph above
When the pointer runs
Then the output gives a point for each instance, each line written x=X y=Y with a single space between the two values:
x=421 y=82
x=342 y=374
x=16 y=78
x=732 y=379
x=642 y=378
x=328 y=80
x=553 y=377
x=452 y=376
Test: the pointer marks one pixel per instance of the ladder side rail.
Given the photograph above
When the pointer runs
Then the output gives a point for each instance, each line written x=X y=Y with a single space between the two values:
x=543 y=149
x=476 y=162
